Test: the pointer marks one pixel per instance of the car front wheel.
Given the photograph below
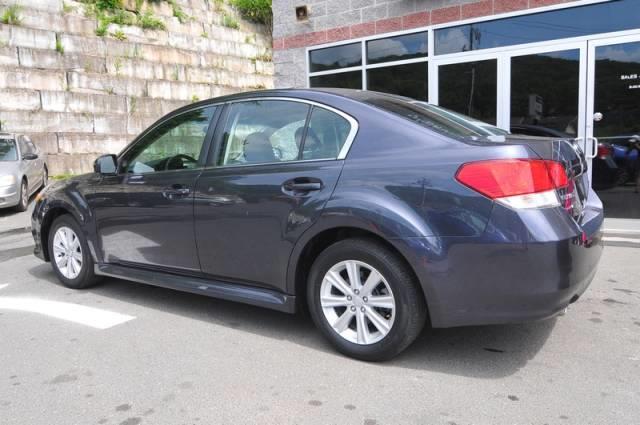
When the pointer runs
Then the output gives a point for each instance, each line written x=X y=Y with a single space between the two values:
x=365 y=300
x=69 y=254
x=23 y=202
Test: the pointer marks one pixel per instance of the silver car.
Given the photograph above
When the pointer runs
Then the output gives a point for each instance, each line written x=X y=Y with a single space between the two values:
x=23 y=170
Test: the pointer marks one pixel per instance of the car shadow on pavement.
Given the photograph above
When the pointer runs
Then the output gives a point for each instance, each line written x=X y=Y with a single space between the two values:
x=481 y=351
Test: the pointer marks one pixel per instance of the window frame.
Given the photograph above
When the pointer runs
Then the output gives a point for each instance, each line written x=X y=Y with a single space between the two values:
x=216 y=146
x=204 y=150
x=433 y=60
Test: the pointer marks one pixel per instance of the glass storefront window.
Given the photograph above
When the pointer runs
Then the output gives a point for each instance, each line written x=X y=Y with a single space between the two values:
x=344 y=80
x=544 y=94
x=617 y=92
x=337 y=57
x=397 y=48
x=616 y=124
x=617 y=15
x=406 y=80
x=469 y=88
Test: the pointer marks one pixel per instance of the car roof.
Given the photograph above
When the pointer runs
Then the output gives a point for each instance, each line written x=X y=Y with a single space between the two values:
x=305 y=93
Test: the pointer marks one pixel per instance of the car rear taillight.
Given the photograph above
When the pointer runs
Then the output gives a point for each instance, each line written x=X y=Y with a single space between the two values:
x=604 y=151
x=517 y=183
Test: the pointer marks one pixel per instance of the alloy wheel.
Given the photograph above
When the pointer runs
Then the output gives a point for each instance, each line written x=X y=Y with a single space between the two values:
x=357 y=302
x=24 y=194
x=67 y=252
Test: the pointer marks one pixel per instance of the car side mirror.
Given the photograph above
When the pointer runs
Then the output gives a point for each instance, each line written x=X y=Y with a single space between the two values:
x=29 y=156
x=105 y=164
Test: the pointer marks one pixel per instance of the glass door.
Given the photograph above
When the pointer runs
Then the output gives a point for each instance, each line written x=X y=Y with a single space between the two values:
x=468 y=84
x=613 y=123
x=545 y=93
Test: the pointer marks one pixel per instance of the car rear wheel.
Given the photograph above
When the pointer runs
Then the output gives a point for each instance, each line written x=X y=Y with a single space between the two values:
x=365 y=300
x=23 y=202
x=69 y=254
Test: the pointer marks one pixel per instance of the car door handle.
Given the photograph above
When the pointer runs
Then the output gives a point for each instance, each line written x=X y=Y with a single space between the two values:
x=302 y=185
x=175 y=192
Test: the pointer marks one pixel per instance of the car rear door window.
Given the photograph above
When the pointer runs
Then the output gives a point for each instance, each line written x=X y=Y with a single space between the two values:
x=263 y=132
x=326 y=134
x=175 y=144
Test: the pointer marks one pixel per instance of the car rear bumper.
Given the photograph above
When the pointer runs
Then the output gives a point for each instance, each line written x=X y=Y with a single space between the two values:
x=9 y=196
x=526 y=267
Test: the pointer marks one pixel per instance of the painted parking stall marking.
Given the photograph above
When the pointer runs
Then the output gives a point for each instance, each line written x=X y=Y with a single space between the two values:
x=88 y=316
x=622 y=237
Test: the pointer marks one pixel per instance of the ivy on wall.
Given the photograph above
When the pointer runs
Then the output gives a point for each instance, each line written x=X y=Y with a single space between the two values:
x=255 y=10
x=113 y=12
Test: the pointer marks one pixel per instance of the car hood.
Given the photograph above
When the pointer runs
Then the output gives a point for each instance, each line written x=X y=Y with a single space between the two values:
x=9 y=167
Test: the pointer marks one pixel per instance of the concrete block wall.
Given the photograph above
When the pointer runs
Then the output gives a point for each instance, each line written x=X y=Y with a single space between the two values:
x=99 y=93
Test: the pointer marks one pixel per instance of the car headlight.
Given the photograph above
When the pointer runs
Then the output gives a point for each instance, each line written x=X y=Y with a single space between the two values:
x=7 y=180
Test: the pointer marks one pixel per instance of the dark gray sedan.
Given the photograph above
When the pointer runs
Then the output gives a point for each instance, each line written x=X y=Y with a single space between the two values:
x=374 y=212
x=23 y=170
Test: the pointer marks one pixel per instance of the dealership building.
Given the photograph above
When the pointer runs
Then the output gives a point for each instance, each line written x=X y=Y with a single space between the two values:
x=540 y=67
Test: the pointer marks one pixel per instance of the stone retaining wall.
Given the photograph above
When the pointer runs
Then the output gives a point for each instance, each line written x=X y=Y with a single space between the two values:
x=93 y=94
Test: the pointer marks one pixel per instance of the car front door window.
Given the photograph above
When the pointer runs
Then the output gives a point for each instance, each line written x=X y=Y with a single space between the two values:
x=175 y=144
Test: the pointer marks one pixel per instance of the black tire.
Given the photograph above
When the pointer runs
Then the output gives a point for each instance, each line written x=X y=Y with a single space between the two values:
x=86 y=277
x=23 y=202
x=410 y=305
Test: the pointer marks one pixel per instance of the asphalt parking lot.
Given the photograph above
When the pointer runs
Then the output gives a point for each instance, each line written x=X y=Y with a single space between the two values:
x=125 y=353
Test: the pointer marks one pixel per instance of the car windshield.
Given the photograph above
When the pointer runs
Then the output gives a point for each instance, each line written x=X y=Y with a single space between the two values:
x=8 y=150
x=438 y=119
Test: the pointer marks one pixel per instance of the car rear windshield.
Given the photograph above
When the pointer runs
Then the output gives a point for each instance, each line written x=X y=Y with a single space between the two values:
x=435 y=118
x=8 y=150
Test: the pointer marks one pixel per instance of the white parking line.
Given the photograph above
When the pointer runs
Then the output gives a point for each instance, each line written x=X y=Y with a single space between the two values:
x=622 y=231
x=3 y=285
x=618 y=239
x=89 y=316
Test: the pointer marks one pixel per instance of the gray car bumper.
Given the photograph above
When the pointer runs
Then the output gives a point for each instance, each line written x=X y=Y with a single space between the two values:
x=9 y=196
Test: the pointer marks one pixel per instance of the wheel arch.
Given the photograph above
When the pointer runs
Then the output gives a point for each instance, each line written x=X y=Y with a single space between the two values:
x=47 y=220
x=306 y=252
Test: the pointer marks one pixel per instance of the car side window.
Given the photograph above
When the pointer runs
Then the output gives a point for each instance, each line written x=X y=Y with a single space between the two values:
x=262 y=132
x=8 y=150
x=326 y=134
x=173 y=145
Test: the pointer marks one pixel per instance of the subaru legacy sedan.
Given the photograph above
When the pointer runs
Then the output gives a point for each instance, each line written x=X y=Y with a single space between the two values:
x=375 y=213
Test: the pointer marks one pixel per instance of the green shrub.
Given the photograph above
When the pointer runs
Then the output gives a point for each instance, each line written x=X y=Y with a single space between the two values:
x=101 y=31
x=120 y=35
x=230 y=22
x=59 y=46
x=149 y=22
x=11 y=15
x=178 y=12
x=108 y=4
x=67 y=8
x=254 y=10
